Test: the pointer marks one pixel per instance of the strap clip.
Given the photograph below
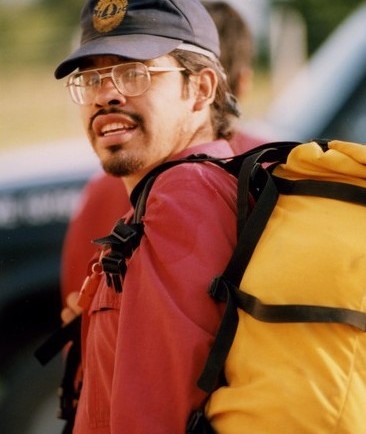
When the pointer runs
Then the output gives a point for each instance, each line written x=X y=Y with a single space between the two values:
x=218 y=289
x=198 y=424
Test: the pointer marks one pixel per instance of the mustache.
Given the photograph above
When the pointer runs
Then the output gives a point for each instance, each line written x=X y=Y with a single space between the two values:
x=134 y=116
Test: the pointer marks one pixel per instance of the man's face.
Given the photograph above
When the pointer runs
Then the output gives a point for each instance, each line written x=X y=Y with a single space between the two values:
x=131 y=135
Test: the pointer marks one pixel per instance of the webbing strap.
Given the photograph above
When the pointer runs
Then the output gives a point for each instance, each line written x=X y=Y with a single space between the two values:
x=327 y=189
x=224 y=337
x=221 y=288
x=250 y=227
x=288 y=313
x=54 y=344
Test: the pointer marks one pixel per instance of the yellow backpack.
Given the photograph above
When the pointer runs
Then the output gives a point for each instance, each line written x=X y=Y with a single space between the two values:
x=292 y=341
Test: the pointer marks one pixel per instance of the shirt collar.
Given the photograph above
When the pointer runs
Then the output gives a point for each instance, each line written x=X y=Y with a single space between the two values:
x=217 y=149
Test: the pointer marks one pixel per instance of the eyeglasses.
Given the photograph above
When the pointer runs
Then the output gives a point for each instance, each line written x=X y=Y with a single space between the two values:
x=130 y=79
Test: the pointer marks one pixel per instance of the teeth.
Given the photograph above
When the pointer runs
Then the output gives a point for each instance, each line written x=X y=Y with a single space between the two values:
x=116 y=126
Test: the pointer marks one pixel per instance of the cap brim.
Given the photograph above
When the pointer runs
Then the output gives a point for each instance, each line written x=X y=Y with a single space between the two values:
x=139 y=47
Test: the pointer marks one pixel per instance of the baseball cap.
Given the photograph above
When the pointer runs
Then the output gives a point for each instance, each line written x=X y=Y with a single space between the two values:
x=142 y=30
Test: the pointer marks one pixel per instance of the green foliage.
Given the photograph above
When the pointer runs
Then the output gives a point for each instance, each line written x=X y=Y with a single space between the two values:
x=38 y=33
x=322 y=16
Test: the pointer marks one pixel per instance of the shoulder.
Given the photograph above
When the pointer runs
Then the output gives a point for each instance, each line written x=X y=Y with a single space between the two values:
x=191 y=205
x=192 y=188
x=242 y=142
x=205 y=176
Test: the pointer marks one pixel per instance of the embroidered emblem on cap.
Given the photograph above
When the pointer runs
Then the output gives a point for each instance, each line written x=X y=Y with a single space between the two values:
x=108 y=14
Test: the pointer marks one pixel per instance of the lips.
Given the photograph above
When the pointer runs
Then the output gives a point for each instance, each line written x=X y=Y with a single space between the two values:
x=115 y=128
x=112 y=124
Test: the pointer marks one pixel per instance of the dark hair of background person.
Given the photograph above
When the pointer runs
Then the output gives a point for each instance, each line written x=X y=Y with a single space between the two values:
x=237 y=49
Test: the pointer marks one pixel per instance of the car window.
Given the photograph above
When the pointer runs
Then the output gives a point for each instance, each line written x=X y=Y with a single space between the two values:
x=350 y=122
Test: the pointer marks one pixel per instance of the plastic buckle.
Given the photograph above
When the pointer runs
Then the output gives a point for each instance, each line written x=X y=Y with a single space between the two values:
x=112 y=265
x=195 y=423
x=68 y=403
x=198 y=424
x=218 y=289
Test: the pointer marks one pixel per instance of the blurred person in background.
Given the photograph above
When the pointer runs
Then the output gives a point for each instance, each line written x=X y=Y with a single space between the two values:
x=104 y=198
x=237 y=58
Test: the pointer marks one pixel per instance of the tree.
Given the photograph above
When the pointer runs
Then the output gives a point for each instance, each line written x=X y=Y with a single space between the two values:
x=321 y=16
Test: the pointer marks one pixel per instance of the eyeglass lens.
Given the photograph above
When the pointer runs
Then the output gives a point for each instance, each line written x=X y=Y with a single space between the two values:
x=129 y=79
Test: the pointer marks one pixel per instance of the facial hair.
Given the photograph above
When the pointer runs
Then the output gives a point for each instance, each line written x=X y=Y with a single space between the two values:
x=118 y=163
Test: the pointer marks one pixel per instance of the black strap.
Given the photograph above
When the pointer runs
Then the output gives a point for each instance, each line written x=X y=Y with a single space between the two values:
x=221 y=288
x=55 y=343
x=68 y=392
x=140 y=192
x=327 y=189
x=250 y=227
x=198 y=424
x=208 y=379
x=68 y=396
x=289 y=313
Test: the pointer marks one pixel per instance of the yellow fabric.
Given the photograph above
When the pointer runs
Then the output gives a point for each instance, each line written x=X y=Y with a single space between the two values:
x=303 y=378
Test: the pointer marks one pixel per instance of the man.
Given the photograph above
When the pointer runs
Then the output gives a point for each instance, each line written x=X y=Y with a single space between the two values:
x=151 y=89
x=105 y=199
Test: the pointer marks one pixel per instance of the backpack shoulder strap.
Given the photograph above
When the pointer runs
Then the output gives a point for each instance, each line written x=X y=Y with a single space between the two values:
x=126 y=236
x=252 y=179
x=141 y=191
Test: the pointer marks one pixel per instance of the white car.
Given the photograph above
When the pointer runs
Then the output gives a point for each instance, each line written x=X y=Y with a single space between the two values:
x=327 y=99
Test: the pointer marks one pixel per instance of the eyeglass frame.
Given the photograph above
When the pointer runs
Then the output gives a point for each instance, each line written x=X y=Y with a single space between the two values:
x=149 y=70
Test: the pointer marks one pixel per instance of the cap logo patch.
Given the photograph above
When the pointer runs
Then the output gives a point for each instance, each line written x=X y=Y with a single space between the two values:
x=108 y=14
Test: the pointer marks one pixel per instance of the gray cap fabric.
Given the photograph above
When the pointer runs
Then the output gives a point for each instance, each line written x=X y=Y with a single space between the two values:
x=141 y=30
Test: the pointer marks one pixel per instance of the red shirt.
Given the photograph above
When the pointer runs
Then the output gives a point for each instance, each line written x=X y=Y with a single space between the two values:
x=147 y=346
x=242 y=142
x=104 y=200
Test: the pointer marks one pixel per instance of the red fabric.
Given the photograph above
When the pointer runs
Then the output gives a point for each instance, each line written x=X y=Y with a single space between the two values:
x=104 y=200
x=242 y=142
x=146 y=347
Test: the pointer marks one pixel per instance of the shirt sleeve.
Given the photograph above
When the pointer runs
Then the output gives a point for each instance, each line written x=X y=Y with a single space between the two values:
x=168 y=320
x=103 y=200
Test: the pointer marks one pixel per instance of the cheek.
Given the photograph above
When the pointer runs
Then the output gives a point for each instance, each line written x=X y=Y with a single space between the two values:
x=85 y=117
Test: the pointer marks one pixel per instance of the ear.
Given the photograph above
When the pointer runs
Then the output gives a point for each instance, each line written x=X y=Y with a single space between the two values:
x=205 y=88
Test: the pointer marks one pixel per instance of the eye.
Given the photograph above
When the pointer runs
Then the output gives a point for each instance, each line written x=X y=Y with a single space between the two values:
x=90 y=79
x=86 y=79
x=133 y=74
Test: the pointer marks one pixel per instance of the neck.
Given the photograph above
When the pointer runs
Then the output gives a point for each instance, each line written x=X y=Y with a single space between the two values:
x=200 y=136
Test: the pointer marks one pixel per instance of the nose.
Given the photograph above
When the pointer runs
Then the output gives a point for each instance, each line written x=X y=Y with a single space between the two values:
x=108 y=94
